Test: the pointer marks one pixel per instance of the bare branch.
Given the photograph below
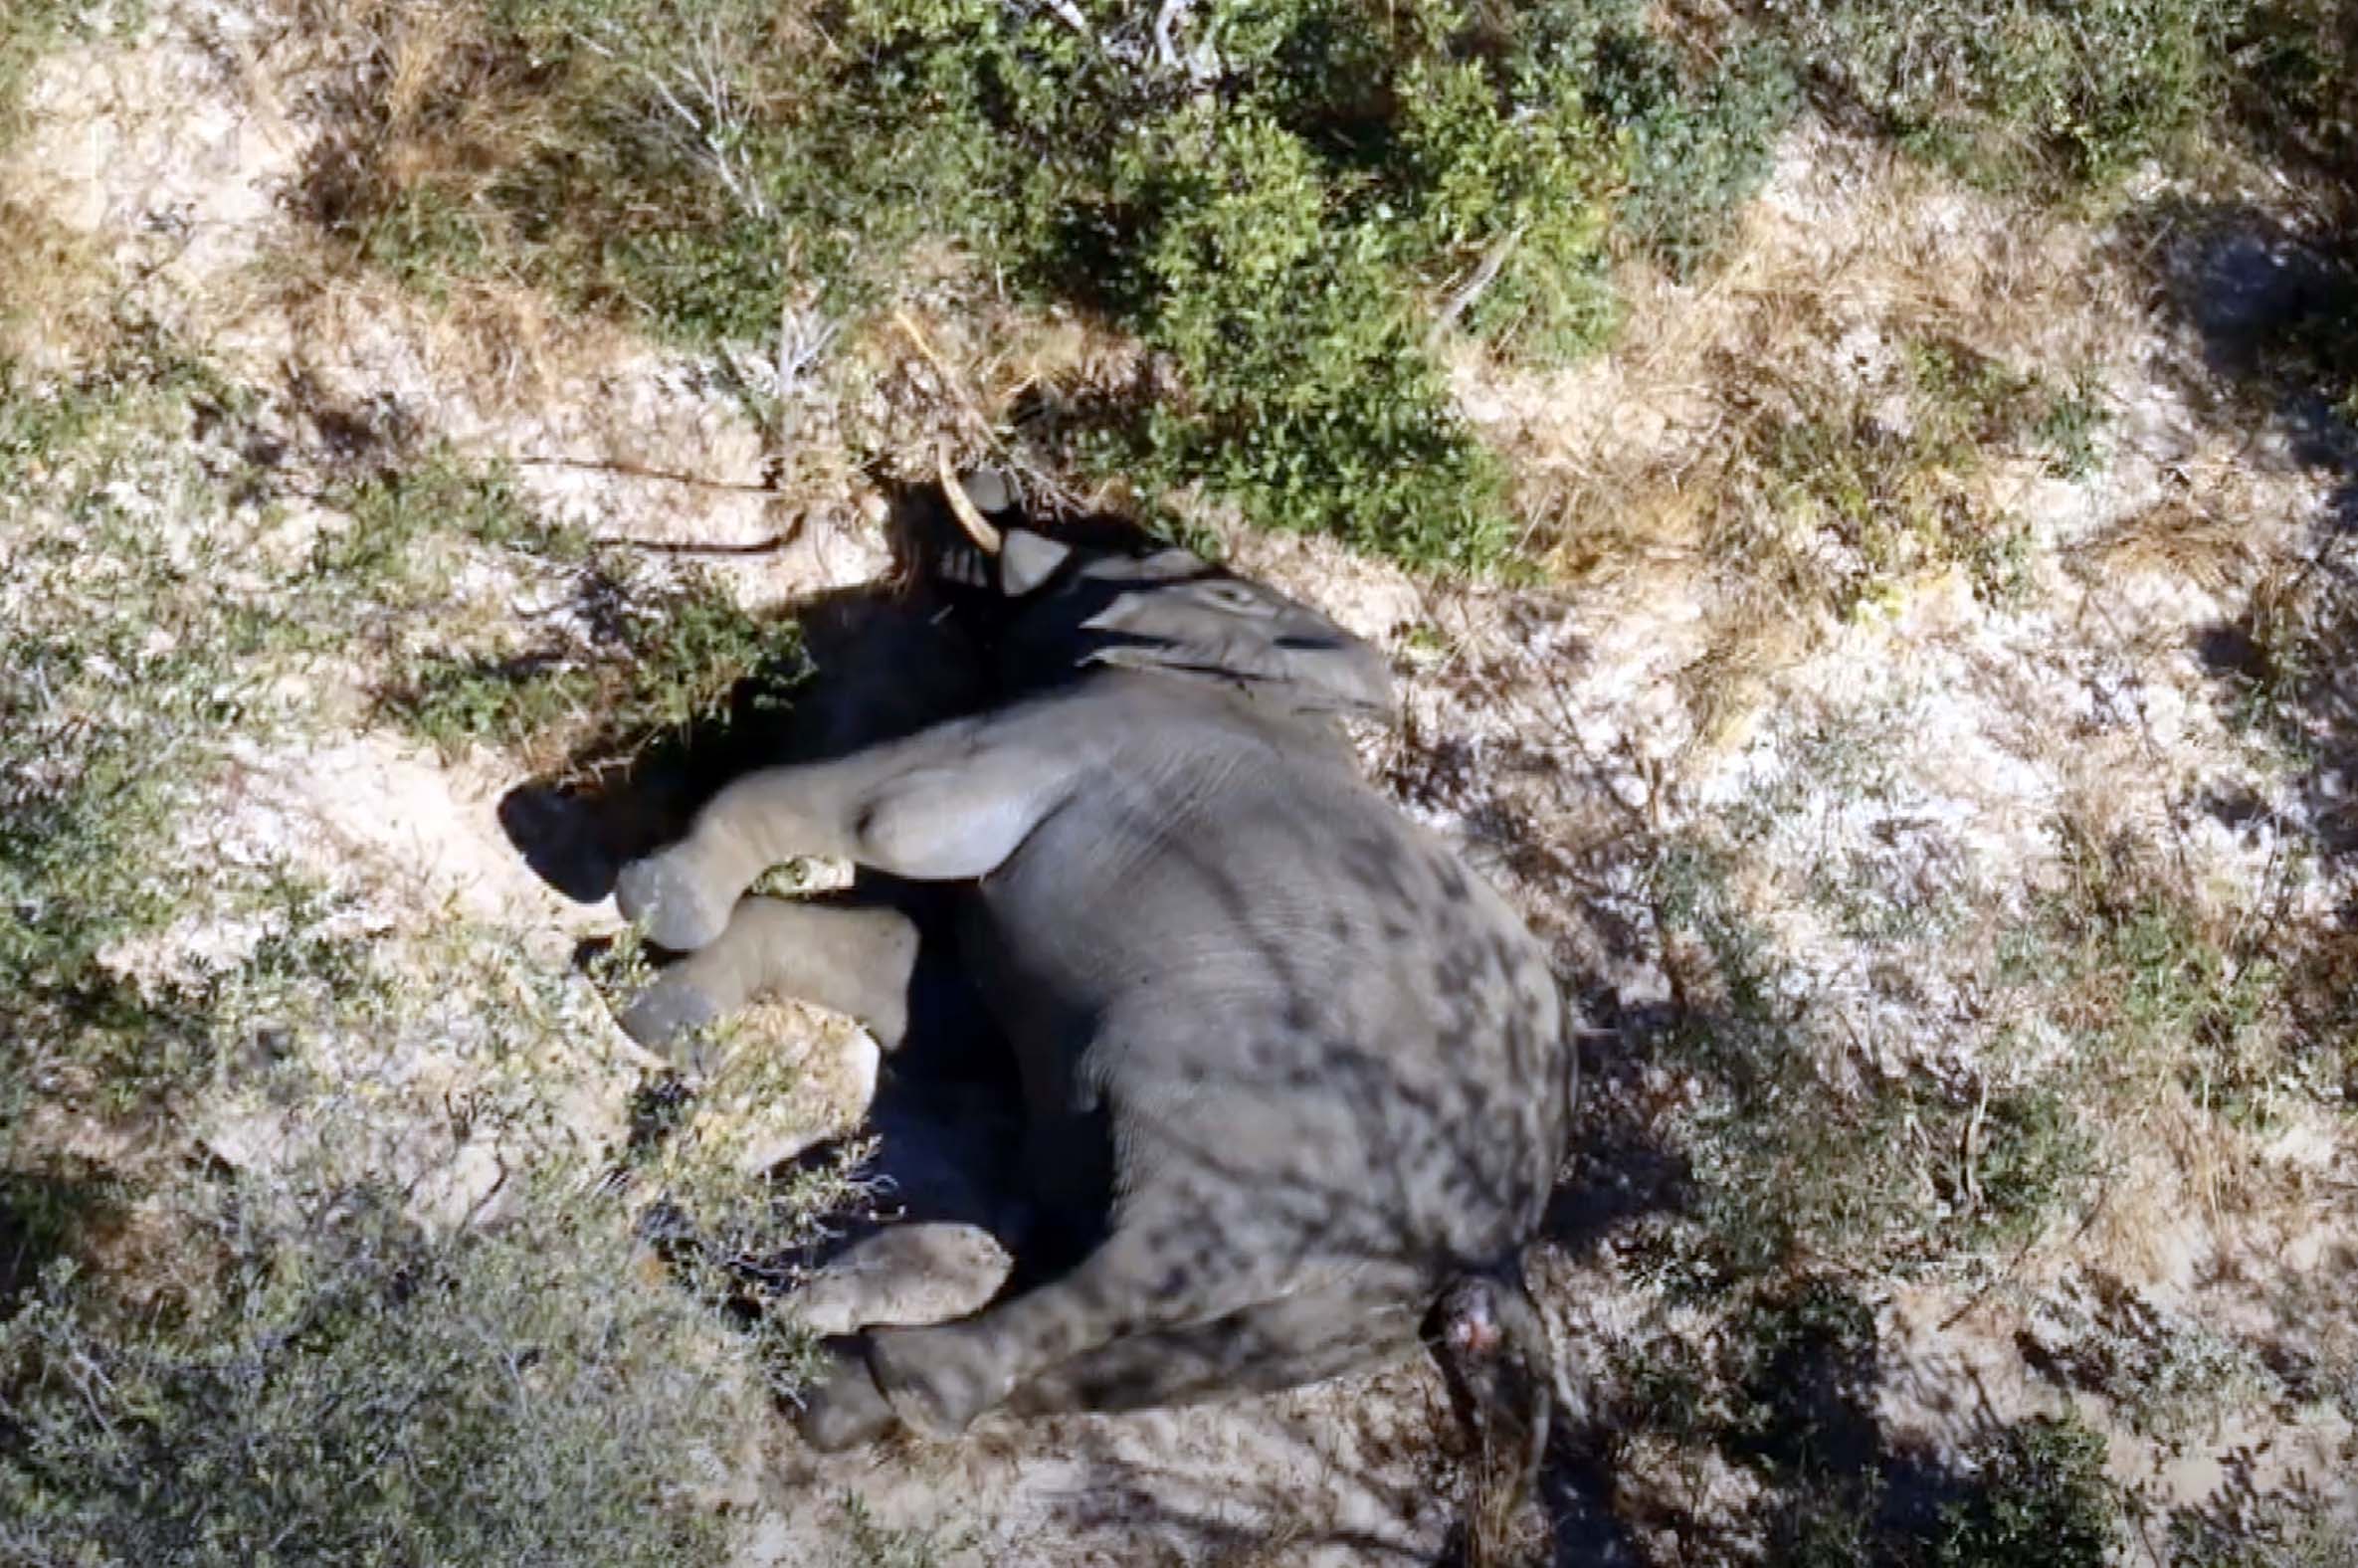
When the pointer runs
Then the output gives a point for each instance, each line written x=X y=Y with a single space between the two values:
x=1475 y=286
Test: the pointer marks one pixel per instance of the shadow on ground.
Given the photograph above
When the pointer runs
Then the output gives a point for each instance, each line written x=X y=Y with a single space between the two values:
x=42 y=1215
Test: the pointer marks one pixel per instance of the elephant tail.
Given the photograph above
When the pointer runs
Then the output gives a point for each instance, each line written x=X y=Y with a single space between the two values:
x=1492 y=1341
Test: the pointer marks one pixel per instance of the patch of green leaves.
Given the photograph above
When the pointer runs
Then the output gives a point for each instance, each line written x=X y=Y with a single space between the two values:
x=2025 y=94
x=1791 y=1163
x=1699 y=138
x=2042 y=1502
x=1304 y=393
x=390 y=511
x=674 y=656
x=352 y=1388
x=628 y=652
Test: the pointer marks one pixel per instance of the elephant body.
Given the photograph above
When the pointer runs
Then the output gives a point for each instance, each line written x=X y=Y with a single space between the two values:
x=1289 y=1069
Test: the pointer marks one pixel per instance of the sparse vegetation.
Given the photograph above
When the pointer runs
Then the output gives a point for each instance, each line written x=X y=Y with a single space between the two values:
x=1896 y=1173
x=2159 y=996
x=1900 y=499
x=1789 y=1392
x=2266 y=1532
x=622 y=656
x=2169 y=1378
x=122 y=665
x=345 y=1386
x=1312 y=230
x=301 y=1358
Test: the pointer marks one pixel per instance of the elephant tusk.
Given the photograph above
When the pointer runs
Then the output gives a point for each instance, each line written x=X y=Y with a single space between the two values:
x=962 y=505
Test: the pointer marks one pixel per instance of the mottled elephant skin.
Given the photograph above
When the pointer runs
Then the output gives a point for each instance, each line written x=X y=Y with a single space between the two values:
x=1302 y=1066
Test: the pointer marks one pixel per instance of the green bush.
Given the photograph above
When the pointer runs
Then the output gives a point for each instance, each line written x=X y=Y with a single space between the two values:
x=1699 y=141
x=1283 y=202
x=1789 y=1385
x=1305 y=393
x=2024 y=92
x=355 y=1390
x=2040 y=1500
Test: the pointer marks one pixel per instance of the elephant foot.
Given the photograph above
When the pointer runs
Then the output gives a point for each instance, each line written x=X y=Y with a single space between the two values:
x=915 y=1273
x=666 y=1018
x=846 y=1408
x=666 y=897
x=934 y=1380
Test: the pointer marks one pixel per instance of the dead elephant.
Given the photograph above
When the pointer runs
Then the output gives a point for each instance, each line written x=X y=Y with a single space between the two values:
x=1310 y=1072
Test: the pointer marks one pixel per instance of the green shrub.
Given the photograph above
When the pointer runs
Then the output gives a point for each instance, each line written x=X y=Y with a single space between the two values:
x=2027 y=90
x=1699 y=141
x=197 y=1368
x=1792 y=1390
x=1305 y=393
x=1506 y=184
x=2296 y=79
x=2040 y=1500
x=1282 y=220
x=391 y=511
x=121 y=664
x=352 y=1389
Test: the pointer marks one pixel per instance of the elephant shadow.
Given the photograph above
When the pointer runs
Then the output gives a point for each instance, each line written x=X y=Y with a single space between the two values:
x=885 y=660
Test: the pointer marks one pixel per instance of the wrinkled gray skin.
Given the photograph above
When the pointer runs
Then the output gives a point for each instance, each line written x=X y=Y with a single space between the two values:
x=1310 y=1070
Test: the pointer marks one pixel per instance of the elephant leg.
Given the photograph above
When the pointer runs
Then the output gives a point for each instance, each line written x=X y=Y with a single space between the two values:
x=946 y=804
x=851 y=958
x=1300 y=1338
x=1140 y=1279
x=1304 y=1337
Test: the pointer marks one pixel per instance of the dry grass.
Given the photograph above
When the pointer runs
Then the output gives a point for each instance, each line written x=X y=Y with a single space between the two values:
x=53 y=312
x=987 y=377
x=496 y=347
x=2179 y=536
x=427 y=106
x=1699 y=458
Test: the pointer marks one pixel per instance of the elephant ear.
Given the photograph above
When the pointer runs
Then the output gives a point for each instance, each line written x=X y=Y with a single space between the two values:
x=1238 y=630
